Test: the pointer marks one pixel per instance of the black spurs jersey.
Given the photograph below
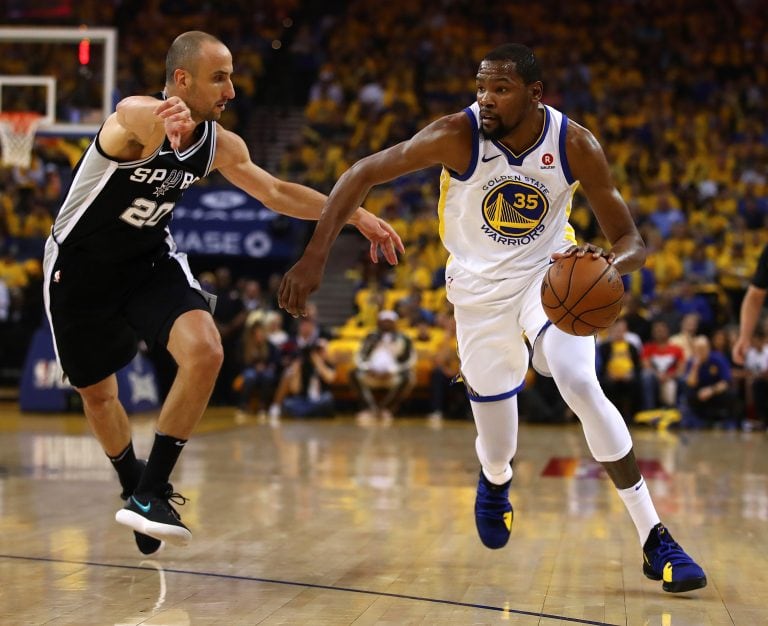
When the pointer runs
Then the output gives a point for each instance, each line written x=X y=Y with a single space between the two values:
x=120 y=210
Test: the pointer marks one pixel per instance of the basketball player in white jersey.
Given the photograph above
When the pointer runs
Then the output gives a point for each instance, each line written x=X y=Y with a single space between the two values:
x=113 y=275
x=510 y=169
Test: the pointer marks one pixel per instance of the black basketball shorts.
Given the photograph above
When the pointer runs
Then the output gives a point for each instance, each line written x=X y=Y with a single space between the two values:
x=98 y=311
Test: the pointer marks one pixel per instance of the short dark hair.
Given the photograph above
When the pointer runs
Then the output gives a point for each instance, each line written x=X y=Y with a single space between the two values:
x=184 y=52
x=523 y=58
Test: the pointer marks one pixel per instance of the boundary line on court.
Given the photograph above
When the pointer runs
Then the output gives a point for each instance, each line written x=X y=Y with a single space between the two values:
x=383 y=594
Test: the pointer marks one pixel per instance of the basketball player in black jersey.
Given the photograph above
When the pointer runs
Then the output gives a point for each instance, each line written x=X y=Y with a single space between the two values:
x=113 y=275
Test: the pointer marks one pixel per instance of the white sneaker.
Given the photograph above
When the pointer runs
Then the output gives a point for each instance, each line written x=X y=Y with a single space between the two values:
x=435 y=419
x=365 y=418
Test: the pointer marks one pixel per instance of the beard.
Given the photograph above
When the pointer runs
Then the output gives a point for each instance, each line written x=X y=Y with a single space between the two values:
x=496 y=133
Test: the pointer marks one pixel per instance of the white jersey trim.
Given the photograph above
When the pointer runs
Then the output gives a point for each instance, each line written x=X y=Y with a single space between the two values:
x=74 y=206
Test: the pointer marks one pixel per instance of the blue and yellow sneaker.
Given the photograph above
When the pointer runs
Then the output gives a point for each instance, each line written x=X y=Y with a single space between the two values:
x=493 y=513
x=664 y=559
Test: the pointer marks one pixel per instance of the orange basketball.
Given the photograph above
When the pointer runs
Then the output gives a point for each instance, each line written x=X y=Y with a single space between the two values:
x=582 y=295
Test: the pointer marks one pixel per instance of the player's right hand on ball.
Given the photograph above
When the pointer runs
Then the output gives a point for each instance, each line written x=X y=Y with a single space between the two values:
x=587 y=248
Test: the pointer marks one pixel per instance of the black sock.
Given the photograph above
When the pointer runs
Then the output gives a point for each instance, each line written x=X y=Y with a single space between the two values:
x=127 y=468
x=165 y=453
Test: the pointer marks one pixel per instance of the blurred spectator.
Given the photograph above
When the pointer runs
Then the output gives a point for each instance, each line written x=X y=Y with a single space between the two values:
x=689 y=328
x=51 y=194
x=663 y=364
x=327 y=87
x=12 y=271
x=708 y=388
x=662 y=309
x=37 y=224
x=735 y=270
x=753 y=207
x=445 y=398
x=636 y=317
x=641 y=284
x=261 y=361
x=251 y=296
x=688 y=300
x=411 y=309
x=368 y=302
x=665 y=215
x=371 y=94
x=273 y=326
x=230 y=315
x=385 y=363
x=307 y=333
x=312 y=314
x=304 y=387
x=619 y=370
x=667 y=267
x=680 y=242
x=698 y=267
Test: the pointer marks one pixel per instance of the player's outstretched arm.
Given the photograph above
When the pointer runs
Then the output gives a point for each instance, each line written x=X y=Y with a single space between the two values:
x=446 y=141
x=590 y=167
x=749 y=315
x=234 y=162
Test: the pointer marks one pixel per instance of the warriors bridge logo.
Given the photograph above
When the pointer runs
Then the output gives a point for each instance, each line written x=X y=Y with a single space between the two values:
x=513 y=212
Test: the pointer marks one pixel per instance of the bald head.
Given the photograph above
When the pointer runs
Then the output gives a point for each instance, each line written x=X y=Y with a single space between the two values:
x=701 y=347
x=184 y=52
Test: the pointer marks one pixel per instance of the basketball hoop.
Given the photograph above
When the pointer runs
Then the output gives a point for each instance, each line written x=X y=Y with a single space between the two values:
x=17 y=136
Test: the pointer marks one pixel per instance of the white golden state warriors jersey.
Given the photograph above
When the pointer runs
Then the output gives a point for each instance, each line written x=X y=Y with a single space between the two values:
x=508 y=213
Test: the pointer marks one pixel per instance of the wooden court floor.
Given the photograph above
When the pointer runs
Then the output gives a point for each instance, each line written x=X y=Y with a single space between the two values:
x=331 y=522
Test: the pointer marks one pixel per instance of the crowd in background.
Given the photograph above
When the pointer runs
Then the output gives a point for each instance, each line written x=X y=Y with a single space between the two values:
x=676 y=91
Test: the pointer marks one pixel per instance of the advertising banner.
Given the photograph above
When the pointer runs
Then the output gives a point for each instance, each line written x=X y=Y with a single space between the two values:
x=227 y=221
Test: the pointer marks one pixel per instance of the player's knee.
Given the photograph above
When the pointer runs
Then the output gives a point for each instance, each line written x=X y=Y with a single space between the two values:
x=205 y=355
x=97 y=397
x=578 y=388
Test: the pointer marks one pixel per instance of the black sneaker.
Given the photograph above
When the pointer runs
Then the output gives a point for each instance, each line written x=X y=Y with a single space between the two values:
x=664 y=559
x=148 y=546
x=152 y=514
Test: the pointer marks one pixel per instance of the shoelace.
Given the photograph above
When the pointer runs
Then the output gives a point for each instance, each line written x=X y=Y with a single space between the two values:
x=177 y=498
x=174 y=496
x=670 y=551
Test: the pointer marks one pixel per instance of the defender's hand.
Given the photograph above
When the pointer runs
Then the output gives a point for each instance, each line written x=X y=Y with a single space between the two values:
x=739 y=351
x=177 y=119
x=381 y=235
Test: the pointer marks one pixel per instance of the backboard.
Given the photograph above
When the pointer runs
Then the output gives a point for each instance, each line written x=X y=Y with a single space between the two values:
x=66 y=74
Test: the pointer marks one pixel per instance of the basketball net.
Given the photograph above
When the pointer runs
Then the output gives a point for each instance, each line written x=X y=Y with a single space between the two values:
x=17 y=136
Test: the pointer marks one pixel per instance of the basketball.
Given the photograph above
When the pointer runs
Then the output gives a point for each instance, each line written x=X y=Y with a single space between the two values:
x=582 y=295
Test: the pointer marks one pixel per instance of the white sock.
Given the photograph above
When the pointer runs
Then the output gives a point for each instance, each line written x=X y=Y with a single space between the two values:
x=499 y=479
x=496 y=441
x=638 y=501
